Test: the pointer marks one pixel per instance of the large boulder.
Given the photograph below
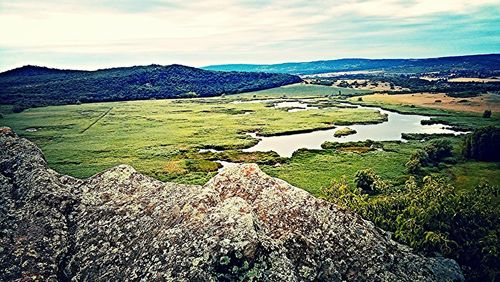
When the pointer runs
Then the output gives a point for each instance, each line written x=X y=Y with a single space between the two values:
x=242 y=225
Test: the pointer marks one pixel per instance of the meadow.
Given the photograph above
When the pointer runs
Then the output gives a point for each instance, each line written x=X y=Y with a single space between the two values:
x=163 y=138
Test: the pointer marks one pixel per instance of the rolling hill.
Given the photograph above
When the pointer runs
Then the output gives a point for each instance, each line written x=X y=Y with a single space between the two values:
x=30 y=86
x=476 y=62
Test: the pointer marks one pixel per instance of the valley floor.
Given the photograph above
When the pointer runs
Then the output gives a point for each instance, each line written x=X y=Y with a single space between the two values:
x=182 y=140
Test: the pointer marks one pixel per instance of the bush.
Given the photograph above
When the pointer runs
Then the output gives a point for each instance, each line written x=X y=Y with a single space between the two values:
x=487 y=114
x=17 y=108
x=433 y=216
x=438 y=149
x=341 y=193
x=414 y=166
x=432 y=153
x=482 y=144
x=368 y=181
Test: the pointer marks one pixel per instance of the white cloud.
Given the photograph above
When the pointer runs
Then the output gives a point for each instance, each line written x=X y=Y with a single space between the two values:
x=270 y=30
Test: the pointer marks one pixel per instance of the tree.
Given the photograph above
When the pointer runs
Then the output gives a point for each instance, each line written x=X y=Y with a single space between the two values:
x=487 y=114
x=482 y=144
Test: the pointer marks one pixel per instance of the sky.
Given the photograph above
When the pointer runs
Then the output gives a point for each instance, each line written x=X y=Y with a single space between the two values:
x=97 y=34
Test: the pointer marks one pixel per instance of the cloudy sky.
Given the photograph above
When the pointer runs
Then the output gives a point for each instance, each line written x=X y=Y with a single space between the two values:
x=104 y=33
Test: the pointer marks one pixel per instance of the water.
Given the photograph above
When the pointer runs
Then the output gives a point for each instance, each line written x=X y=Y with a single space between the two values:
x=208 y=150
x=225 y=165
x=391 y=130
x=297 y=106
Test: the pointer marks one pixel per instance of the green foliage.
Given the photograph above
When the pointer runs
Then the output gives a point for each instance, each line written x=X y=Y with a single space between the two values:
x=430 y=154
x=483 y=144
x=438 y=149
x=414 y=164
x=433 y=217
x=37 y=86
x=344 y=132
x=368 y=181
x=343 y=194
x=487 y=114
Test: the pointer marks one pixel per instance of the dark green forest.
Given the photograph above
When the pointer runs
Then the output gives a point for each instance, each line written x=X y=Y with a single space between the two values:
x=32 y=86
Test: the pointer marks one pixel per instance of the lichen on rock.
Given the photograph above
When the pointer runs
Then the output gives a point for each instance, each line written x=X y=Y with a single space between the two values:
x=243 y=225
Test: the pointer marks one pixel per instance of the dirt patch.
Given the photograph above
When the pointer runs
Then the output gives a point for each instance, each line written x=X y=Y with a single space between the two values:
x=474 y=104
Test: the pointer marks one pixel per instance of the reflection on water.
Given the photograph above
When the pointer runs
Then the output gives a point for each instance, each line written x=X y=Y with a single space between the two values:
x=296 y=106
x=387 y=131
x=225 y=164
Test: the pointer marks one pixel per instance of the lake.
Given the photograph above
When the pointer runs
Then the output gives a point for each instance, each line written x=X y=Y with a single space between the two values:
x=390 y=130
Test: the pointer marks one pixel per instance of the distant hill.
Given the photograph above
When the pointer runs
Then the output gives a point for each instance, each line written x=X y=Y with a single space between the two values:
x=30 y=86
x=475 y=62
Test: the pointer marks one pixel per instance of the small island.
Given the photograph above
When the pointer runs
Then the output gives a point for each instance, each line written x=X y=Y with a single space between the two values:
x=344 y=132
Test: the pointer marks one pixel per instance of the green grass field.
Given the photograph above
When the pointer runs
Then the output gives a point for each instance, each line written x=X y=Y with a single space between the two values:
x=161 y=138
x=300 y=91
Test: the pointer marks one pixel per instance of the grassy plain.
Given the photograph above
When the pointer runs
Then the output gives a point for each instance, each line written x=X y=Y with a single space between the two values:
x=300 y=91
x=162 y=138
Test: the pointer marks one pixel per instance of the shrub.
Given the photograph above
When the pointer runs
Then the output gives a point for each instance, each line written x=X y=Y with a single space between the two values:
x=487 y=114
x=438 y=149
x=482 y=144
x=431 y=153
x=433 y=216
x=413 y=166
x=360 y=99
x=341 y=193
x=368 y=181
x=17 y=108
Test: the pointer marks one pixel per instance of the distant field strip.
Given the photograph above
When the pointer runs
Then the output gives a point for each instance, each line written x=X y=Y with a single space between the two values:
x=95 y=121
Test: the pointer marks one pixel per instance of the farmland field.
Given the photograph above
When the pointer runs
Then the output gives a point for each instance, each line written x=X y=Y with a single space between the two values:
x=476 y=104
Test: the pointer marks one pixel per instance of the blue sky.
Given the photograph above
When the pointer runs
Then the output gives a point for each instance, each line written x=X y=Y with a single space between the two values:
x=103 y=33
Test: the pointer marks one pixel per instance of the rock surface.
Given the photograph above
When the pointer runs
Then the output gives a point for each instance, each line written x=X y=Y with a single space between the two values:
x=243 y=225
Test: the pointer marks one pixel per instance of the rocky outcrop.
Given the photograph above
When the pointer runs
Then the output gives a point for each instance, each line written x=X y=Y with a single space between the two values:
x=243 y=225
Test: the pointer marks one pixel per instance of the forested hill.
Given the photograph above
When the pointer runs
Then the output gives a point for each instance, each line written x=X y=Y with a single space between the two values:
x=30 y=86
x=472 y=63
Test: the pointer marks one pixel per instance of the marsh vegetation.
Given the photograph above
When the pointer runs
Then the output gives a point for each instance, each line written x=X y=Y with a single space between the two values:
x=400 y=175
